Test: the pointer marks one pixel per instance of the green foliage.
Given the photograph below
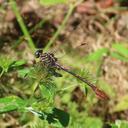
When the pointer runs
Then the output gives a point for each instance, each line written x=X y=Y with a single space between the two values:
x=120 y=52
x=39 y=72
x=48 y=90
x=87 y=122
x=56 y=116
x=44 y=87
x=93 y=123
x=59 y=115
x=97 y=55
x=120 y=48
x=81 y=120
x=38 y=96
x=6 y=62
x=120 y=124
x=52 y=2
x=23 y=72
x=18 y=63
x=11 y=103
x=118 y=56
x=108 y=88
x=121 y=105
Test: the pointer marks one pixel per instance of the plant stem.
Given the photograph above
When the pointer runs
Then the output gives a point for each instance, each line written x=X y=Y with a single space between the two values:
x=2 y=72
x=71 y=8
x=22 y=24
x=66 y=88
x=21 y=38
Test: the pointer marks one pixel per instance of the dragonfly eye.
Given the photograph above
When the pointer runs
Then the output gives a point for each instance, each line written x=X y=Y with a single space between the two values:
x=38 y=53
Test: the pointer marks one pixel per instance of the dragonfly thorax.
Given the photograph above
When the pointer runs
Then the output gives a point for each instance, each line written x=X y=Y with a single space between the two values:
x=48 y=59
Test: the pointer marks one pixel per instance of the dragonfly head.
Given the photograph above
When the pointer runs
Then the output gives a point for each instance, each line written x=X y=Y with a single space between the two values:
x=38 y=53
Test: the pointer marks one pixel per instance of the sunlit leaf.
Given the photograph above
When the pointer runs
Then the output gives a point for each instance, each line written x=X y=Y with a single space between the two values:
x=18 y=63
x=121 y=105
x=93 y=122
x=52 y=2
x=113 y=126
x=123 y=124
x=120 y=48
x=5 y=62
x=23 y=72
x=97 y=55
x=119 y=124
x=48 y=90
x=11 y=103
x=118 y=56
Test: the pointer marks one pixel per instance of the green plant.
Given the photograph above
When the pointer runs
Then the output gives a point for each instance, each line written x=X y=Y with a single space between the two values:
x=22 y=25
x=119 y=124
x=39 y=87
x=41 y=101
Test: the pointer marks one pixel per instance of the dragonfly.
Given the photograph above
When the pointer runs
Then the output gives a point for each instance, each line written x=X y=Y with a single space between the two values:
x=51 y=62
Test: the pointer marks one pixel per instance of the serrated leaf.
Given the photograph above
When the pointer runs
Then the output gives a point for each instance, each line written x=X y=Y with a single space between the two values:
x=120 y=48
x=11 y=103
x=97 y=55
x=48 y=90
x=52 y=2
x=39 y=72
x=121 y=105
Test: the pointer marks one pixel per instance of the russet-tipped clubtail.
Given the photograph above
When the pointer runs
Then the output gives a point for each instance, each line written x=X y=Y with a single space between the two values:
x=51 y=62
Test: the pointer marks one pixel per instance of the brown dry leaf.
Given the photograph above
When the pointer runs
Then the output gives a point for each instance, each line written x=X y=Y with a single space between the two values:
x=106 y=3
x=86 y=8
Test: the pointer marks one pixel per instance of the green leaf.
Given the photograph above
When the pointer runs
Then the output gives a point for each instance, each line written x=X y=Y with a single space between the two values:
x=114 y=126
x=48 y=90
x=97 y=55
x=124 y=124
x=60 y=115
x=5 y=62
x=119 y=124
x=120 y=48
x=11 y=103
x=39 y=72
x=118 y=56
x=23 y=72
x=122 y=104
x=52 y=2
x=18 y=63
x=93 y=122
x=53 y=117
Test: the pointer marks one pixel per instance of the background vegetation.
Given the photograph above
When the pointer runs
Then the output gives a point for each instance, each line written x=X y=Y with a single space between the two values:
x=89 y=37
